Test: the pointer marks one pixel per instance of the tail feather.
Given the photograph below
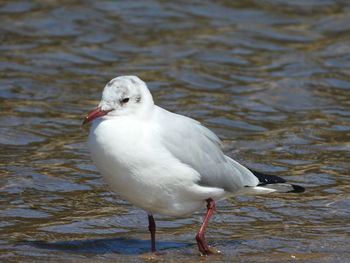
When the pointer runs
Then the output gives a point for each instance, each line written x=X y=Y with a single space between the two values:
x=276 y=183
x=283 y=188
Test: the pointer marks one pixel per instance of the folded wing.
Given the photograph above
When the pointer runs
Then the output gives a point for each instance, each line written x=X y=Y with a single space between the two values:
x=198 y=147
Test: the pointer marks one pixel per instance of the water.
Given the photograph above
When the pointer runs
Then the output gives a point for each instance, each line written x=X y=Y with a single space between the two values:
x=271 y=78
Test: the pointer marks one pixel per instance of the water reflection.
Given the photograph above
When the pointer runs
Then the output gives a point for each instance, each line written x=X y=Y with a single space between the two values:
x=112 y=245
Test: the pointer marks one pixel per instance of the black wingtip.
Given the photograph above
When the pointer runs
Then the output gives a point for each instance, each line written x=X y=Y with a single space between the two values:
x=267 y=178
x=297 y=189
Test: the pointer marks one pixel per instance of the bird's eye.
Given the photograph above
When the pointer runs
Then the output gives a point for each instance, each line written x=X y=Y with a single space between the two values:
x=125 y=100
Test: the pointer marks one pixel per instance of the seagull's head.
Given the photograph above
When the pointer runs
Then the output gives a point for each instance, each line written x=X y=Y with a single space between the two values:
x=124 y=95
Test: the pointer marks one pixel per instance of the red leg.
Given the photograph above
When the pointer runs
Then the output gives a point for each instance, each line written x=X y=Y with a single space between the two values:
x=202 y=244
x=152 y=229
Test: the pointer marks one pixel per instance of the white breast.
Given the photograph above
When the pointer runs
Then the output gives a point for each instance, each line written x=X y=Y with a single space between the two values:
x=142 y=171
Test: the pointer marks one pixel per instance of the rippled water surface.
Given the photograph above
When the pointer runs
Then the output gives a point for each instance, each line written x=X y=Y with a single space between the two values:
x=271 y=78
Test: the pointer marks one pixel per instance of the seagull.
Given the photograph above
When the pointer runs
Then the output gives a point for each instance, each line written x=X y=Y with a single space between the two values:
x=166 y=163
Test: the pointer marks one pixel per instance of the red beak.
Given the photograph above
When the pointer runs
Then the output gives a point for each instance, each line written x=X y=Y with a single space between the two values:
x=96 y=113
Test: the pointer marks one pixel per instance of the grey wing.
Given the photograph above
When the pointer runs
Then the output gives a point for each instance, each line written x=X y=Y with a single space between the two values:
x=198 y=147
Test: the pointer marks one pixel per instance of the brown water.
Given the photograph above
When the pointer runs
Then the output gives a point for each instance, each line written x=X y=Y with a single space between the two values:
x=271 y=78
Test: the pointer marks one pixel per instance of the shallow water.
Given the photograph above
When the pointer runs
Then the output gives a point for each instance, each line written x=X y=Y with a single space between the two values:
x=271 y=78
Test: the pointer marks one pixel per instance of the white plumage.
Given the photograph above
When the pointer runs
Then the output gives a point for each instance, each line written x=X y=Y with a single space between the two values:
x=160 y=161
